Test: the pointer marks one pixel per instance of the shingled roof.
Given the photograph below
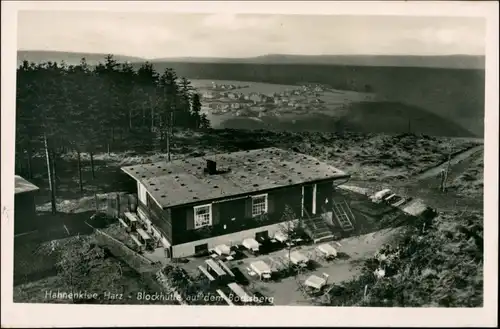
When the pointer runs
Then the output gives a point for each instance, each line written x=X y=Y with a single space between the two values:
x=185 y=181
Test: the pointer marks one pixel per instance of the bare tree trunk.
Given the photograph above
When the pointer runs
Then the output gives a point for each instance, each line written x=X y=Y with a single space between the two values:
x=109 y=148
x=445 y=178
x=80 y=181
x=168 y=144
x=30 y=165
x=118 y=205
x=170 y=133
x=54 y=172
x=49 y=171
x=143 y=115
x=96 y=203
x=92 y=164
x=152 y=119
x=112 y=134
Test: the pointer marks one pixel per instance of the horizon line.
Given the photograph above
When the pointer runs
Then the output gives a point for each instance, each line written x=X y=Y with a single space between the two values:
x=250 y=57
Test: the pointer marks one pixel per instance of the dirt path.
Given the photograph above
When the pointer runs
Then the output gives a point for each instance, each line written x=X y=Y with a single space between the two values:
x=426 y=185
x=458 y=158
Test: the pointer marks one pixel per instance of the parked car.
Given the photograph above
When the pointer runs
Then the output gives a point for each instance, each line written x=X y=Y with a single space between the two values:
x=381 y=195
x=395 y=200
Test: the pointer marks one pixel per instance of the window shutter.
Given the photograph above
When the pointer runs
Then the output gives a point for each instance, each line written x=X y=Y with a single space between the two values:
x=248 y=207
x=215 y=213
x=270 y=203
x=190 y=218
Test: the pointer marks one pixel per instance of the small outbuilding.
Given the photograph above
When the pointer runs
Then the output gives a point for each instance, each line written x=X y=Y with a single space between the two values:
x=24 y=206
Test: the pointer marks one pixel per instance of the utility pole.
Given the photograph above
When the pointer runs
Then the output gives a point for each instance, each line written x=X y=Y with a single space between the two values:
x=445 y=178
x=170 y=133
x=49 y=171
x=152 y=119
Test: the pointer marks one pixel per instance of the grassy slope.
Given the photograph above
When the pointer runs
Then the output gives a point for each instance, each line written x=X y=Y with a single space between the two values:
x=471 y=182
x=373 y=117
x=98 y=280
x=437 y=265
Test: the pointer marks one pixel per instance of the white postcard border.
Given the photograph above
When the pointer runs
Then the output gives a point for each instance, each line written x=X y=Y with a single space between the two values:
x=38 y=315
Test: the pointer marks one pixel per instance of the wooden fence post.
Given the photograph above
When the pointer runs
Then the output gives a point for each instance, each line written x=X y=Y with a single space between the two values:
x=96 y=201
x=117 y=205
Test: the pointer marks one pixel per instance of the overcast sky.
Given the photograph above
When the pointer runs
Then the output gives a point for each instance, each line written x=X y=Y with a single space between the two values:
x=156 y=35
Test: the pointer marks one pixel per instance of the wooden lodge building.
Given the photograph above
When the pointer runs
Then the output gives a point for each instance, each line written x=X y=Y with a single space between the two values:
x=24 y=206
x=192 y=205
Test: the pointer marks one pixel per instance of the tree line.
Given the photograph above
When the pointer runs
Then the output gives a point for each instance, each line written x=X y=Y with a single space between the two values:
x=101 y=108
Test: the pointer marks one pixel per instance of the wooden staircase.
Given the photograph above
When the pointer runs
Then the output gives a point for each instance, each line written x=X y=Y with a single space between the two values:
x=317 y=229
x=343 y=214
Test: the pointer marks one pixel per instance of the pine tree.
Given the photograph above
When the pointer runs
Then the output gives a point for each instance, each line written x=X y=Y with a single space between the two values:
x=184 y=116
x=196 y=112
x=170 y=100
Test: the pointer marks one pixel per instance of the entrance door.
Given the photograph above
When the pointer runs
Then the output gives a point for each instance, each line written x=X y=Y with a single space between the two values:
x=309 y=199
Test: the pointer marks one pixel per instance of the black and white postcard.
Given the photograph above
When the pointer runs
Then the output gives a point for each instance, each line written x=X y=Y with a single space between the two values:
x=249 y=163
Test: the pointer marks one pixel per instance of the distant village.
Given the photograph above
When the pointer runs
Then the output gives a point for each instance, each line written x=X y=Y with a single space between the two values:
x=224 y=99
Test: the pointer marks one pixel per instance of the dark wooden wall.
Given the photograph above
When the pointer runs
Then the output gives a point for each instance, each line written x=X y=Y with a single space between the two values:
x=24 y=213
x=159 y=217
x=235 y=215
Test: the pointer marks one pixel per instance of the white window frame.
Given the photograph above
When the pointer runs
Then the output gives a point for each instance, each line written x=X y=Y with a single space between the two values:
x=265 y=204
x=197 y=226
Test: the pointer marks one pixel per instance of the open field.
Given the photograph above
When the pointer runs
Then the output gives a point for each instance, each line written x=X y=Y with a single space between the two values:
x=471 y=182
x=328 y=110
x=366 y=116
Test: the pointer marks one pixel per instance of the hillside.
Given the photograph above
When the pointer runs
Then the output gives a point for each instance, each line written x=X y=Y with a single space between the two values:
x=452 y=61
x=435 y=263
x=457 y=95
x=368 y=117
x=71 y=58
